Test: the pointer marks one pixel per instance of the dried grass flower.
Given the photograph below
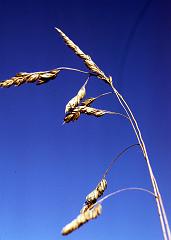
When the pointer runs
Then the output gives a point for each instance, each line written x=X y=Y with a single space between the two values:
x=86 y=58
x=82 y=219
x=74 y=102
x=35 y=77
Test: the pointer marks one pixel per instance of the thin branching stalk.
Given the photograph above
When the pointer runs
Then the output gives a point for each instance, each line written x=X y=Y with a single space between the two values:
x=123 y=190
x=139 y=189
x=117 y=113
x=164 y=213
x=117 y=157
x=74 y=69
x=161 y=211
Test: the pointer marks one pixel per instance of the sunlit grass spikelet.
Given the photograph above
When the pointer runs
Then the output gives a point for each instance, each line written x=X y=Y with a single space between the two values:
x=87 y=102
x=35 y=77
x=86 y=58
x=76 y=112
x=92 y=197
x=74 y=102
x=71 y=117
x=93 y=111
x=82 y=219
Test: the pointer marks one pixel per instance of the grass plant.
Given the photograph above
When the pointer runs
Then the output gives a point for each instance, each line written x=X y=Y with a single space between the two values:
x=73 y=110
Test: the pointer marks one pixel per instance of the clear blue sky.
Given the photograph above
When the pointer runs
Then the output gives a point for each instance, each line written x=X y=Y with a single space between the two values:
x=47 y=169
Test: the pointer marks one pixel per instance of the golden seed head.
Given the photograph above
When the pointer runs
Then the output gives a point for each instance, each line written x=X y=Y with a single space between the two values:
x=74 y=102
x=24 y=77
x=73 y=116
x=92 y=111
x=86 y=58
x=87 y=102
x=82 y=219
x=92 y=197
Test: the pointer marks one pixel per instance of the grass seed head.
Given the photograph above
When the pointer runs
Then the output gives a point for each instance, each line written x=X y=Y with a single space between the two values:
x=77 y=111
x=87 y=102
x=93 y=111
x=73 y=116
x=24 y=77
x=92 y=197
x=86 y=58
x=82 y=219
x=74 y=102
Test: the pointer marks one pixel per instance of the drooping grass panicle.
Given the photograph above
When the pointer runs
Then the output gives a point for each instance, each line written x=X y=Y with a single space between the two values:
x=82 y=219
x=35 y=77
x=86 y=58
x=74 y=102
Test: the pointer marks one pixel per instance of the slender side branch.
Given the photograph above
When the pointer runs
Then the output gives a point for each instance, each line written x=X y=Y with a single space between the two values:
x=126 y=189
x=75 y=69
x=161 y=211
x=117 y=157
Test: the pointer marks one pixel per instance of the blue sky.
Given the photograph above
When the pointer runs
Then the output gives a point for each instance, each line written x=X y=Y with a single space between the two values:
x=47 y=168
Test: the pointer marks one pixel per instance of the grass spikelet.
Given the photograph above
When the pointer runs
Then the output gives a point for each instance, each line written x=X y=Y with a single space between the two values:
x=35 y=77
x=86 y=207
x=86 y=58
x=93 y=111
x=87 y=102
x=73 y=116
x=74 y=102
x=82 y=219
x=76 y=112
x=92 y=197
